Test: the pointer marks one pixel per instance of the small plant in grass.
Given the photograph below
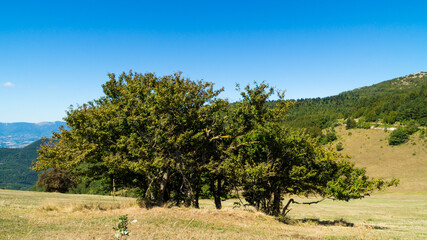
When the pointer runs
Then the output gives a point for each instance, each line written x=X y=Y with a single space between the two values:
x=339 y=146
x=122 y=228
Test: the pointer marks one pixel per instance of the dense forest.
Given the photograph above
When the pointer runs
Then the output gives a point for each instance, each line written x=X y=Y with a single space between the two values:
x=398 y=100
x=14 y=166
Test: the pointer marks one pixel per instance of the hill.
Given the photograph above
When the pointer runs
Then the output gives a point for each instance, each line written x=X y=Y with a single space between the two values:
x=369 y=148
x=397 y=100
x=14 y=166
x=20 y=134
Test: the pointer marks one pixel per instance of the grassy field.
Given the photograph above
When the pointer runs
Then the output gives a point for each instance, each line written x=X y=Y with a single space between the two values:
x=33 y=215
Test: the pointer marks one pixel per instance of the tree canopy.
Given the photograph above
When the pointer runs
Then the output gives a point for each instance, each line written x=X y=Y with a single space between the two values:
x=175 y=140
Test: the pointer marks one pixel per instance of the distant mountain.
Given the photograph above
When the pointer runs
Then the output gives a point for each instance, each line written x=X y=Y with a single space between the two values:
x=15 y=164
x=21 y=134
x=396 y=100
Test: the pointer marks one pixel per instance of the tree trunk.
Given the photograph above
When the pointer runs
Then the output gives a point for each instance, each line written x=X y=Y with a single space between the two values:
x=276 y=202
x=216 y=191
x=196 y=198
x=162 y=194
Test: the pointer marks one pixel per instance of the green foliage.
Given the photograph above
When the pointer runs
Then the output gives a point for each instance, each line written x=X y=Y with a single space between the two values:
x=401 y=99
x=412 y=126
x=398 y=136
x=14 y=163
x=156 y=133
x=351 y=123
x=275 y=161
x=95 y=186
x=56 y=180
x=363 y=124
x=339 y=146
x=329 y=137
x=401 y=135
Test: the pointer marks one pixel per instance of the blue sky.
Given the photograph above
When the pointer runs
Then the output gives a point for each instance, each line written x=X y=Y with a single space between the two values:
x=54 y=54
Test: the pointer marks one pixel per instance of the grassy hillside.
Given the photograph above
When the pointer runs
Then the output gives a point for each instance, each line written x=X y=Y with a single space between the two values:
x=14 y=166
x=33 y=215
x=400 y=99
x=369 y=148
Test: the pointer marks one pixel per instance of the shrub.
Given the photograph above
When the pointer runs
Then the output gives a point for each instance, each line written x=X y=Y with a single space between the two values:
x=339 y=146
x=92 y=186
x=412 y=127
x=363 y=125
x=398 y=136
x=56 y=180
x=351 y=123
x=330 y=136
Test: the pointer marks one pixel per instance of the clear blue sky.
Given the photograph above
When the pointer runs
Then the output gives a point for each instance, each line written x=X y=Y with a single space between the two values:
x=57 y=53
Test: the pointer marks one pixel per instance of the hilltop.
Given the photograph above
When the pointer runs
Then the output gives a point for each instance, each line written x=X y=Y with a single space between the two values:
x=397 y=100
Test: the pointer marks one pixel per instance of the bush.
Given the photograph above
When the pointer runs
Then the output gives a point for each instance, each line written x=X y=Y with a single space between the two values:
x=351 y=123
x=92 y=186
x=398 y=136
x=363 y=125
x=339 y=146
x=56 y=180
x=412 y=127
x=330 y=136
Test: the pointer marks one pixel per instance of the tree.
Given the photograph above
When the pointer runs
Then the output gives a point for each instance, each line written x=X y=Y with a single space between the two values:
x=145 y=127
x=398 y=136
x=276 y=161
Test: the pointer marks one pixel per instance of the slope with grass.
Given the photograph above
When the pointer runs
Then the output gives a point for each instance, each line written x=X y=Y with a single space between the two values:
x=369 y=148
x=34 y=215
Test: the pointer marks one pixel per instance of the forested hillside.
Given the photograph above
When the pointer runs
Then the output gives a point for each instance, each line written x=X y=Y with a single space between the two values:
x=397 y=100
x=15 y=165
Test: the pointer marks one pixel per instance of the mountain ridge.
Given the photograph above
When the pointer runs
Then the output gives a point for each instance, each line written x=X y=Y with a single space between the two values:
x=21 y=134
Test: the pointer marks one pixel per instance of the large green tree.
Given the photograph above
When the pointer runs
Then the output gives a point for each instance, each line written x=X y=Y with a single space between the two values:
x=146 y=127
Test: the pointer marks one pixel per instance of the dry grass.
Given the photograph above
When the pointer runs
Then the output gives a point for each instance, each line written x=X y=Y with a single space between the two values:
x=32 y=215
x=369 y=148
